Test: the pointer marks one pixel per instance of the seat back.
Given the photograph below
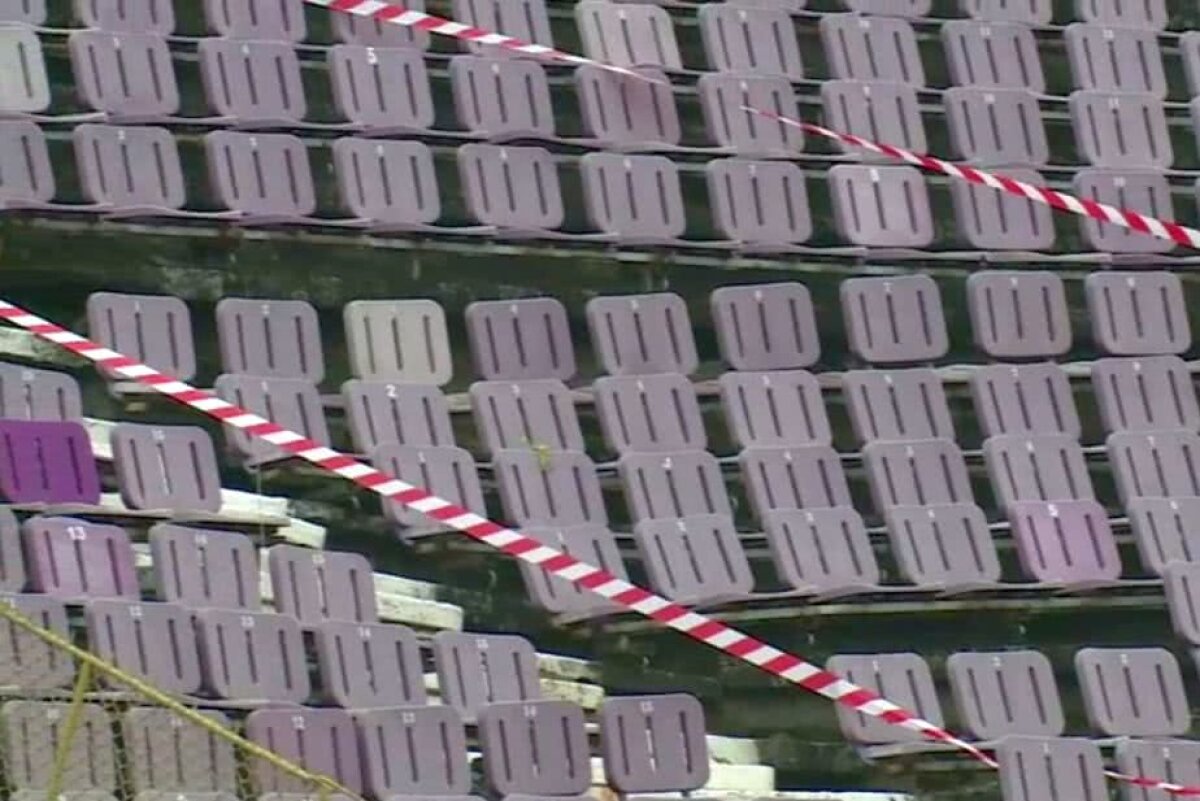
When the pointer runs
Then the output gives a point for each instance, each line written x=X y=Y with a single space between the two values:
x=252 y=656
x=673 y=485
x=447 y=472
x=152 y=641
x=1025 y=399
x=371 y=172
x=272 y=338
x=1065 y=541
x=270 y=20
x=879 y=110
x=514 y=340
x=943 y=545
x=590 y=543
x=1034 y=12
x=154 y=329
x=1048 y=467
x=1138 y=314
x=618 y=111
x=380 y=412
x=549 y=488
x=1179 y=759
x=805 y=477
x=1118 y=59
x=140 y=16
x=637 y=199
x=27 y=662
x=368 y=665
x=758 y=41
x=130 y=167
x=920 y=473
x=1165 y=531
x=724 y=98
x=649 y=413
x=383 y=88
x=323 y=741
x=822 y=550
x=203 y=568
x=43 y=461
x=35 y=729
x=996 y=126
x=28 y=12
x=775 y=409
x=536 y=747
x=1004 y=693
x=1115 y=129
x=996 y=221
x=871 y=48
x=654 y=743
x=313 y=586
x=127 y=76
x=373 y=32
x=627 y=35
x=398 y=340
x=293 y=403
x=25 y=172
x=1151 y=393
x=264 y=176
x=513 y=188
x=694 y=560
x=1155 y=464
x=990 y=52
x=170 y=754
x=172 y=468
x=766 y=326
x=413 y=751
x=904 y=679
x=759 y=203
x=642 y=334
x=1111 y=680
x=1019 y=315
x=24 y=87
x=1033 y=768
x=534 y=414
x=527 y=20
x=1143 y=191
x=895 y=8
x=27 y=393
x=475 y=670
x=881 y=206
x=77 y=560
x=496 y=96
x=897 y=405
x=1150 y=15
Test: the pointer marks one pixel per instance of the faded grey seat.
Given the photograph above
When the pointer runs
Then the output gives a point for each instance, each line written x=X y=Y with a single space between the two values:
x=398 y=340
x=695 y=560
x=618 y=112
x=263 y=178
x=1141 y=190
x=267 y=92
x=1121 y=129
x=825 y=552
x=24 y=87
x=413 y=751
x=355 y=29
x=33 y=729
x=775 y=408
x=881 y=207
x=766 y=326
x=1004 y=226
x=1150 y=15
x=1155 y=464
x=500 y=98
x=27 y=12
x=1165 y=530
x=637 y=199
x=368 y=171
x=168 y=754
x=897 y=405
x=943 y=546
x=1181 y=585
x=760 y=206
x=125 y=77
x=673 y=485
x=28 y=662
x=1019 y=314
x=27 y=393
x=878 y=110
x=904 y=679
x=527 y=20
x=76 y=560
x=381 y=90
x=446 y=471
x=919 y=473
x=1146 y=393
x=1024 y=399
x=269 y=20
x=997 y=127
x=590 y=543
x=293 y=403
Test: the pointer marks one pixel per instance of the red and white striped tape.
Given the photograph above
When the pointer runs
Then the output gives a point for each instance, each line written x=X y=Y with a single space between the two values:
x=1101 y=212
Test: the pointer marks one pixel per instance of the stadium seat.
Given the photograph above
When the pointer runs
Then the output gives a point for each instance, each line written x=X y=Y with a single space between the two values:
x=626 y=114
x=1121 y=129
x=253 y=84
x=153 y=641
x=642 y=334
x=989 y=53
x=446 y=471
x=654 y=743
x=270 y=338
x=535 y=414
x=1158 y=757
x=25 y=88
x=754 y=40
x=76 y=560
x=1181 y=585
x=822 y=552
x=1024 y=400
x=878 y=110
x=908 y=309
x=27 y=12
x=368 y=172
x=380 y=412
x=47 y=462
x=525 y=338
x=125 y=77
x=475 y=670
x=252 y=657
x=291 y=402
x=1065 y=543
x=498 y=183
x=805 y=477
x=548 y=488
x=154 y=329
x=1005 y=227
x=672 y=485
x=1144 y=191
x=759 y=206
x=1137 y=314
x=881 y=207
x=945 y=547
x=266 y=179
x=590 y=543
x=381 y=91
x=1019 y=314
x=1151 y=14
x=169 y=754
x=627 y=35
x=398 y=340
x=132 y=16
x=995 y=127
x=1148 y=393
x=34 y=729
x=171 y=469
x=360 y=30
x=204 y=568
x=897 y=405
x=1164 y=532
x=649 y=413
x=766 y=326
x=501 y=98
x=904 y=679
x=27 y=393
x=26 y=178
x=865 y=48
x=1155 y=464
x=1047 y=467
x=27 y=662
x=694 y=560
x=1005 y=693
x=723 y=98
x=314 y=586
x=1189 y=51
x=774 y=409
x=368 y=665
x=527 y=20
x=270 y=20
x=1033 y=768
x=535 y=748
x=1116 y=59
x=918 y=473
x=413 y=751
x=894 y=8
x=1108 y=678
x=323 y=741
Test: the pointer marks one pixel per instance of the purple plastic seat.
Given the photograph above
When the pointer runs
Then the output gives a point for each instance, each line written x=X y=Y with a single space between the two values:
x=535 y=747
x=76 y=560
x=271 y=20
x=1138 y=314
x=1122 y=130
x=1165 y=531
x=590 y=543
x=627 y=35
x=252 y=656
x=1112 y=680
x=515 y=340
x=153 y=641
x=1024 y=399
x=28 y=662
x=548 y=488
x=27 y=12
x=527 y=20
x=172 y=468
x=1151 y=15
x=12 y=562
x=1005 y=226
x=881 y=207
x=323 y=741
x=635 y=199
x=1047 y=467
x=761 y=206
x=515 y=415
x=1019 y=314
x=774 y=409
x=654 y=743
x=154 y=329
x=1143 y=191
x=447 y=472
x=673 y=485
x=27 y=393
x=1179 y=759
x=1065 y=542
x=43 y=461
x=514 y=190
x=502 y=98
x=903 y=678
x=871 y=48
x=398 y=340
x=757 y=41
x=26 y=177
x=368 y=665
x=1149 y=393
x=265 y=179
x=1155 y=464
x=1120 y=59
x=926 y=473
x=1033 y=12
x=825 y=552
x=642 y=334
x=1004 y=693
x=694 y=560
x=168 y=754
x=125 y=77
x=291 y=402
x=897 y=405
x=649 y=413
x=993 y=53
x=475 y=670
x=807 y=477
x=35 y=729
x=382 y=91
x=369 y=172
x=204 y=568
x=766 y=326
x=1035 y=768
x=996 y=127
x=132 y=16
x=25 y=88
x=623 y=113
x=723 y=98
x=895 y=319
x=380 y=412
x=1181 y=585
x=414 y=751
x=355 y=29
x=314 y=586
x=945 y=546
x=880 y=110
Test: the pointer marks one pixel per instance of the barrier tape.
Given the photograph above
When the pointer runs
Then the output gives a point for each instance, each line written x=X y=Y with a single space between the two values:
x=713 y=633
